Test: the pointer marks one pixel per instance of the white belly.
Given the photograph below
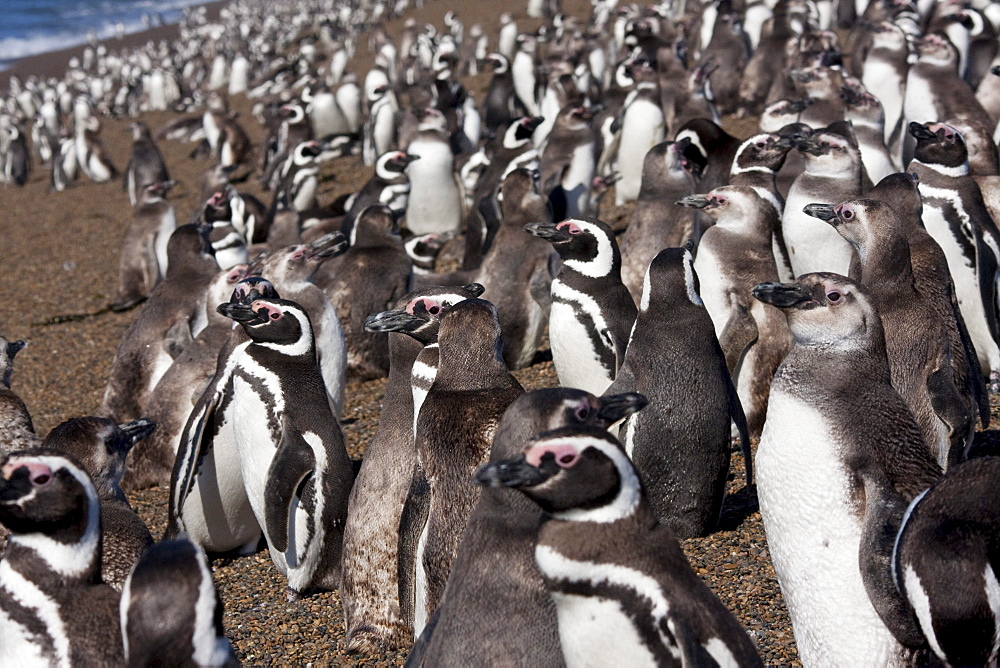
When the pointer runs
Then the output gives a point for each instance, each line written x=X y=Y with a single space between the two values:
x=597 y=632
x=812 y=244
x=577 y=363
x=642 y=129
x=814 y=539
x=713 y=288
x=420 y=611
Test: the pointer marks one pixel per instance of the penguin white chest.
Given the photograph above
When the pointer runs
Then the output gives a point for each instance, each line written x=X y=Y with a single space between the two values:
x=642 y=128
x=814 y=536
x=435 y=204
x=713 y=286
x=252 y=415
x=576 y=329
x=586 y=623
x=19 y=642
x=812 y=244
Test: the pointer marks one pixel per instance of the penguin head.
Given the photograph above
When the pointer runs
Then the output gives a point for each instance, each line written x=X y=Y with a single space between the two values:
x=391 y=165
x=936 y=49
x=498 y=62
x=423 y=249
x=939 y=144
x=669 y=165
x=767 y=150
x=901 y=191
x=829 y=152
x=217 y=206
x=521 y=131
x=7 y=351
x=825 y=310
x=728 y=205
x=278 y=324
x=101 y=446
x=419 y=313
x=859 y=221
x=252 y=288
x=187 y=243
x=670 y=282
x=577 y=473
x=48 y=492
x=373 y=225
x=519 y=191
x=299 y=262
x=586 y=245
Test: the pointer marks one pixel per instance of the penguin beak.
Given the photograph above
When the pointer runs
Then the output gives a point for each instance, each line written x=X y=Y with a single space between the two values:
x=824 y=212
x=393 y=321
x=808 y=145
x=920 y=131
x=136 y=430
x=328 y=245
x=694 y=201
x=241 y=313
x=510 y=473
x=615 y=407
x=547 y=231
x=995 y=70
x=783 y=295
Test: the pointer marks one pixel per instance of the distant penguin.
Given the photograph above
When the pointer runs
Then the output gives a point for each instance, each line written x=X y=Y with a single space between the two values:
x=568 y=163
x=833 y=174
x=502 y=105
x=170 y=611
x=54 y=609
x=865 y=114
x=835 y=420
x=380 y=126
x=167 y=323
x=101 y=446
x=145 y=163
x=885 y=71
x=642 y=127
x=944 y=563
x=615 y=574
x=16 y=159
x=454 y=430
x=435 y=202
x=388 y=186
x=734 y=256
x=592 y=312
x=709 y=150
x=674 y=359
x=523 y=71
x=91 y=155
x=504 y=522
x=17 y=432
x=143 y=258
x=295 y=467
x=370 y=582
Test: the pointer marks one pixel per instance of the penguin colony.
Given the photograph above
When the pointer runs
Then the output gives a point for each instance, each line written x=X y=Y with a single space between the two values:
x=827 y=284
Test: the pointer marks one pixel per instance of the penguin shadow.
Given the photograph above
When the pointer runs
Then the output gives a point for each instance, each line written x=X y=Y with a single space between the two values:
x=737 y=507
x=541 y=356
x=985 y=444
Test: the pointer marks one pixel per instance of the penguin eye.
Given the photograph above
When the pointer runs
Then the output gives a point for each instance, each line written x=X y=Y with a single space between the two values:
x=41 y=480
x=761 y=144
x=847 y=214
x=582 y=412
x=834 y=297
x=274 y=315
x=720 y=200
x=434 y=309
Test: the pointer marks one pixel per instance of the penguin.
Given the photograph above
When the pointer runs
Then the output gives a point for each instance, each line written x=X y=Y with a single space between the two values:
x=568 y=162
x=623 y=590
x=729 y=45
x=956 y=216
x=145 y=163
x=885 y=69
x=710 y=152
x=17 y=432
x=643 y=126
x=91 y=155
x=54 y=609
x=592 y=311
x=835 y=420
x=64 y=164
x=16 y=159
x=292 y=455
x=523 y=68
x=917 y=342
x=170 y=611
x=167 y=323
x=503 y=522
x=228 y=241
x=371 y=276
x=943 y=563
x=143 y=259
x=435 y=202
x=454 y=429
x=388 y=186
x=734 y=256
x=674 y=359
x=101 y=446
x=501 y=105
x=832 y=174
x=380 y=126
x=655 y=224
x=516 y=271
x=865 y=114
x=370 y=582
x=228 y=140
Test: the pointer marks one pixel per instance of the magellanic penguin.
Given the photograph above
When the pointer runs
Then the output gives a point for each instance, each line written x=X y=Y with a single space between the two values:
x=592 y=312
x=454 y=430
x=623 y=590
x=734 y=256
x=389 y=186
x=369 y=586
x=101 y=446
x=435 y=202
x=167 y=323
x=91 y=155
x=291 y=452
x=568 y=162
x=917 y=341
x=506 y=523
x=54 y=609
x=501 y=104
x=170 y=611
x=833 y=174
x=956 y=216
x=17 y=432
x=945 y=564
x=840 y=457
x=143 y=259
x=642 y=127
x=675 y=360
x=145 y=163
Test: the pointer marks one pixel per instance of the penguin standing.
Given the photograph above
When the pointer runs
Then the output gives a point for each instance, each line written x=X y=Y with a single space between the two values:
x=17 y=432
x=617 y=577
x=674 y=359
x=642 y=127
x=145 y=163
x=369 y=587
x=945 y=565
x=501 y=104
x=455 y=427
x=734 y=256
x=171 y=613
x=568 y=163
x=295 y=467
x=380 y=126
x=91 y=155
x=592 y=312
x=101 y=446
x=388 y=186
x=54 y=609
x=435 y=202
x=143 y=259
x=839 y=459
x=506 y=523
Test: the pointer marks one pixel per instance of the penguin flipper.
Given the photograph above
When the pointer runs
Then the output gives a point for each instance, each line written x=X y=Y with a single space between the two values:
x=976 y=379
x=292 y=463
x=739 y=418
x=948 y=405
x=739 y=334
x=411 y=524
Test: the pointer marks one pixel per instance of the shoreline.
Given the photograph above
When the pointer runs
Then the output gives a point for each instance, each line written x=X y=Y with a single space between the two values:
x=55 y=63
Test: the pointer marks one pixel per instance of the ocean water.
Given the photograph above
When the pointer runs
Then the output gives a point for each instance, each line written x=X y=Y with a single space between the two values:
x=31 y=27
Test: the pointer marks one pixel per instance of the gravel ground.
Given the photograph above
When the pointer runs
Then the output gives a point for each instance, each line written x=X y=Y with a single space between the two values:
x=60 y=258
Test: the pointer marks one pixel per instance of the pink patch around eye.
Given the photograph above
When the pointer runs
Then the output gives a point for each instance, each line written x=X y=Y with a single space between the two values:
x=273 y=313
x=431 y=306
x=565 y=455
x=567 y=226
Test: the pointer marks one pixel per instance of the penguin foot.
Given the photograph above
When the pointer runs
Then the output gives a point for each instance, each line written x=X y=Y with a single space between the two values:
x=995 y=382
x=372 y=640
x=292 y=595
